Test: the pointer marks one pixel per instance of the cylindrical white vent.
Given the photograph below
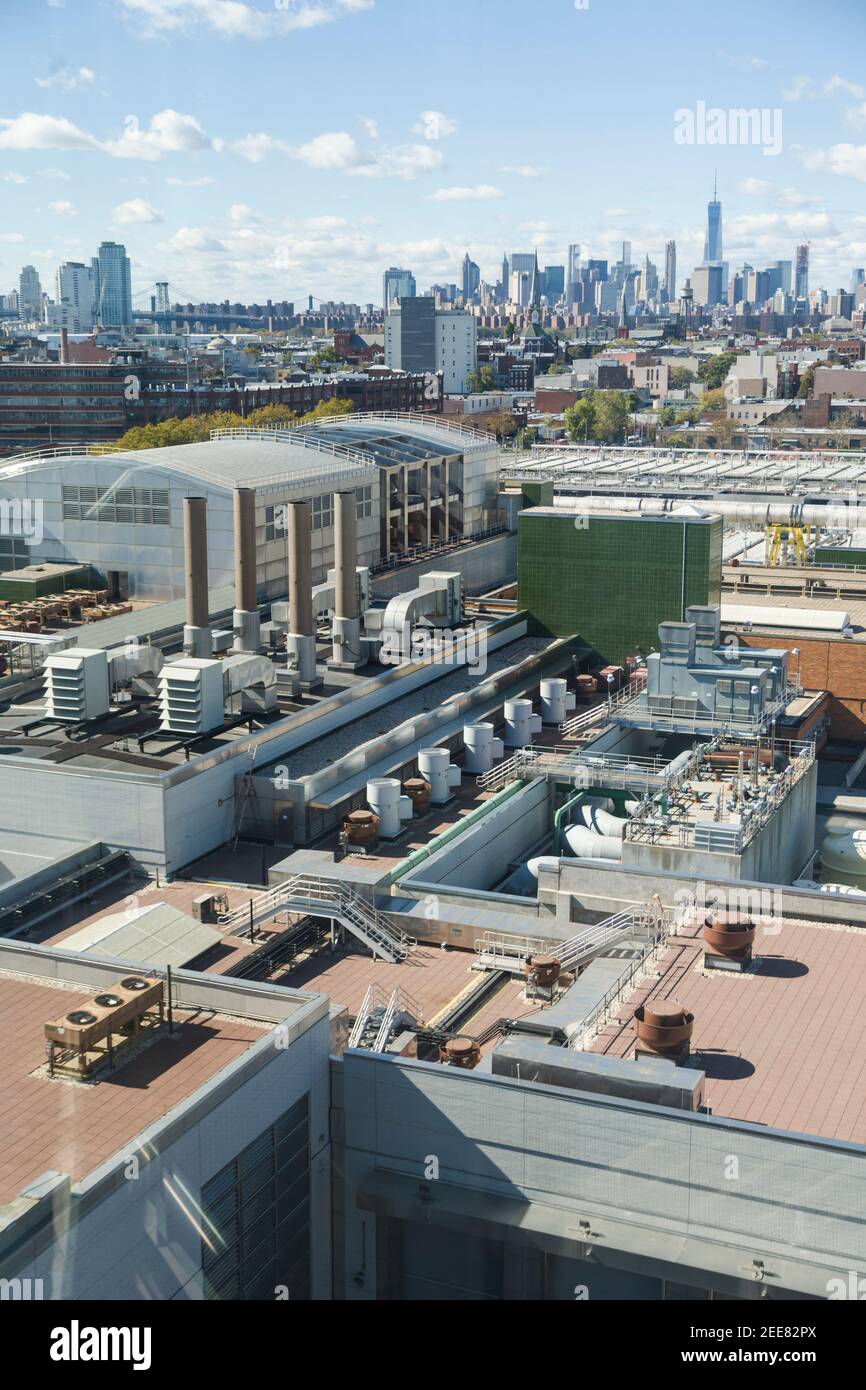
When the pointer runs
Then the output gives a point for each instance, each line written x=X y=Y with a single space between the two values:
x=520 y=723
x=478 y=743
x=553 y=704
x=434 y=765
x=383 y=797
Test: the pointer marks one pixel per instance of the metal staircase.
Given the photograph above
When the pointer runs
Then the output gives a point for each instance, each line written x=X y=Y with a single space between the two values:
x=600 y=713
x=309 y=896
x=498 y=951
x=374 y=1025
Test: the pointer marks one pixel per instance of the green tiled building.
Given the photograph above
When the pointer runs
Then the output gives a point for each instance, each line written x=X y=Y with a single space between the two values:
x=611 y=577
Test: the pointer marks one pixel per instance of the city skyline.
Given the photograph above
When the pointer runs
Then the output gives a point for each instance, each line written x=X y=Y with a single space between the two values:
x=247 y=205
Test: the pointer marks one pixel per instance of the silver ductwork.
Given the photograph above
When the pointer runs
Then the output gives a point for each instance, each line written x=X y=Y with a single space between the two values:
x=738 y=512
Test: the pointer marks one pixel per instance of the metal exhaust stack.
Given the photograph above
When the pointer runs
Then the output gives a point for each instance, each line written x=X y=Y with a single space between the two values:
x=197 y=636
x=346 y=630
x=245 y=620
x=301 y=639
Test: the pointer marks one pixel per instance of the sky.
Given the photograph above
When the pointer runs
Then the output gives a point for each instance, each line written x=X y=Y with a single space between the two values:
x=254 y=149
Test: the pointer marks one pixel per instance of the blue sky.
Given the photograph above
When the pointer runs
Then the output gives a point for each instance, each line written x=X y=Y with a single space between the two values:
x=255 y=148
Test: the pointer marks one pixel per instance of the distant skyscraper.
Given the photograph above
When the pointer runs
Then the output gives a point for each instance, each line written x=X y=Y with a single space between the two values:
x=112 y=286
x=471 y=276
x=858 y=277
x=553 y=283
x=801 y=284
x=30 y=292
x=671 y=271
x=573 y=273
x=713 y=252
x=397 y=284
x=73 y=290
x=626 y=255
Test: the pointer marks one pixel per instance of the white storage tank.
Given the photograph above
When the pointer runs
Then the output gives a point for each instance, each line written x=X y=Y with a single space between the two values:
x=843 y=857
x=436 y=767
x=520 y=723
x=385 y=799
x=556 y=701
x=481 y=748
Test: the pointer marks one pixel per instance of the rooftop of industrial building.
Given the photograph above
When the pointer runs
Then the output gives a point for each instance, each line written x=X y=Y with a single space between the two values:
x=71 y=1126
x=782 y=1045
x=567 y=509
x=800 y=614
x=339 y=450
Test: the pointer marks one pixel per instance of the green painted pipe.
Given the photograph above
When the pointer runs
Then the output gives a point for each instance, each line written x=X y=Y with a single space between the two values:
x=558 y=819
x=419 y=855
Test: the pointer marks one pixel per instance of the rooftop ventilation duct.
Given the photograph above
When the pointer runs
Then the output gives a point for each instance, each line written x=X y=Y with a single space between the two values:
x=346 y=628
x=301 y=638
x=245 y=621
x=197 y=640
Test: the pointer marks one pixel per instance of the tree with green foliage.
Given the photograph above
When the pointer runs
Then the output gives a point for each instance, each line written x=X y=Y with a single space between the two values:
x=502 y=423
x=680 y=378
x=323 y=358
x=713 y=401
x=482 y=379
x=193 y=428
x=713 y=371
x=599 y=415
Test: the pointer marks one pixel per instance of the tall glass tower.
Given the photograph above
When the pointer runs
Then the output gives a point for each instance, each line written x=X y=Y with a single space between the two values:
x=713 y=240
x=112 y=286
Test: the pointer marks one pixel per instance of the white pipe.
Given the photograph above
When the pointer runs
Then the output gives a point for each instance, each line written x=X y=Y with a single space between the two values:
x=735 y=511
x=585 y=844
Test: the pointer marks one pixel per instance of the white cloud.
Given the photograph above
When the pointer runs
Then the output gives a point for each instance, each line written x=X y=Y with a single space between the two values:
x=480 y=193
x=371 y=129
x=240 y=215
x=841 y=84
x=192 y=239
x=399 y=162
x=234 y=19
x=333 y=150
x=33 y=132
x=787 y=197
x=15 y=178
x=434 y=125
x=64 y=208
x=136 y=212
x=255 y=148
x=524 y=171
x=744 y=61
x=55 y=174
x=169 y=132
x=856 y=115
x=849 y=161
x=801 y=89
x=66 y=79
x=204 y=182
x=12 y=237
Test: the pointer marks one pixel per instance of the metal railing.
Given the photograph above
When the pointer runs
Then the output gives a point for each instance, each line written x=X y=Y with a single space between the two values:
x=664 y=926
x=586 y=769
x=603 y=711
x=308 y=895
x=639 y=713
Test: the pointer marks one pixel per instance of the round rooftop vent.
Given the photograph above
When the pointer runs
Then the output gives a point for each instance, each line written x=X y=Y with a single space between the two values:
x=728 y=934
x=108 y=1001
x=663 y=1026
x=80 y=1017
x=460 y=1052
x=133 y=982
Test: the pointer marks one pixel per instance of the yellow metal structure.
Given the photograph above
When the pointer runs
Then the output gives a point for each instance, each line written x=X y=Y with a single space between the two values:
x=781 y=542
